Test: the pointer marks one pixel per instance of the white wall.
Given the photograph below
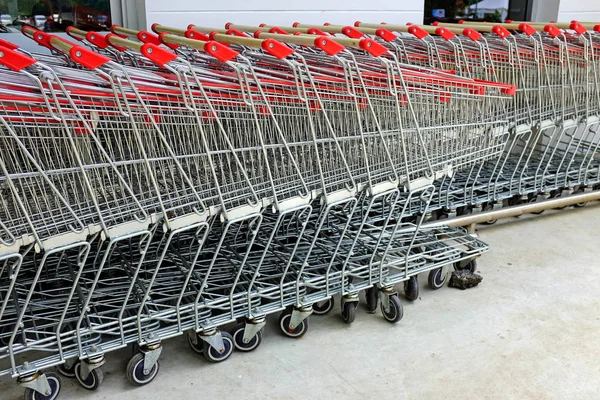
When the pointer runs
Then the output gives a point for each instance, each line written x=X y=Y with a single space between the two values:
x=580 y=10
x=215 y=13
x=545 y=10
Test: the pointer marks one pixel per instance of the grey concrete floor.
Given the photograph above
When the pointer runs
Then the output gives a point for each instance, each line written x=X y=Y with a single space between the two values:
x=531 y=330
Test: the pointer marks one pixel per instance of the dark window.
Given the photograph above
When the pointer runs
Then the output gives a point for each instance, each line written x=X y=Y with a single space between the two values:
x=55 y=15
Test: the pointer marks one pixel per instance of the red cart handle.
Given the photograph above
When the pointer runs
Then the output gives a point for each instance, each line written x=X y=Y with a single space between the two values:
x=14 y=60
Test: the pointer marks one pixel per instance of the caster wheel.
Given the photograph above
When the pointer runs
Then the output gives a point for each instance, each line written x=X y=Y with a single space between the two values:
x=371 y=295
x=515 y=200
x=411 y=288
x=465 y=210
x=442 y=216
x=471 y=266
x=579 y=205
x=67 y=370
x=238 y=340
x=556 y=194
x=396 y=311
x=135 y=371
x=534 y=200
x=284 y=324
x=213 y=355
x=489 y=207
x=53 y=381
x=436 y=278
x=92 y=381
x=349 y=312
x=198 y=347
x=323 y=307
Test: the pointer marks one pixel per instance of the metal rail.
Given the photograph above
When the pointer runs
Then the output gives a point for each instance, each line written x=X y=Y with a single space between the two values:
x=514 y=211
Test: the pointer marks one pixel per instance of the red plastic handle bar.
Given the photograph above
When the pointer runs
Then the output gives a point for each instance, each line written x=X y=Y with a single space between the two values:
x=278 y=30
x=192 y=34
x=75 y=33
x=527 y=29
x=445 y=33
x=385 y=34
x=112 y=29
x=157 y=54
x=417 y=32
x=148 y=37
x=87 y=58
x=352 y=32
x=170 y=45
x=14 y=60
x=577 y=27
x=552 y=31
x=501 y=31
x=220 y=51
x=116 y=47
x=40 y=37
x=328 y=45
x=372 y=47
x=276 y=48
x=79 y=54
x=8 y=45
x=472 y=34
x=151 y=51
x=97 y=39
x=235 y=32
x=315 y=31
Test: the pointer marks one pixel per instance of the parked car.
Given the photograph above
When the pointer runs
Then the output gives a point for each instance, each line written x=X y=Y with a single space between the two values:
x=40 y=21
x=5 y=19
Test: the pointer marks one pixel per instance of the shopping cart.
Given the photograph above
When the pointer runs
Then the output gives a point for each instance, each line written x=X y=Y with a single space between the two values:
x=553 y=114
x=153 y=193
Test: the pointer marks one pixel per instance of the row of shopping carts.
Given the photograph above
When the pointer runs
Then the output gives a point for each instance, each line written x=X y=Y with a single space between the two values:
x=170 y=183
x=553 y=151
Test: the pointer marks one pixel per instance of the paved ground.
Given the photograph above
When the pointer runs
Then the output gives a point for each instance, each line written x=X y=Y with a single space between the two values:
x=529 y=331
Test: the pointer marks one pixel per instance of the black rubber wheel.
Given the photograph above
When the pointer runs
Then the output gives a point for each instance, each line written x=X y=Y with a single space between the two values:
x=465 y=210
x=323 y=307
x=489 y=207
x=436 y=278
x=471 y=266
x=92 y=381
x=198 y=347
x=371 y=295
x=238 y=339
x=411 y=288
x=533 y=199
x=515 y=200
x=284 y=325
x=349 y=312
x=579 y=205
x=214 y=355
x=396 y=311
x=135 y=371
x=556 y=194
x=53 y=381
x=67 y=370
